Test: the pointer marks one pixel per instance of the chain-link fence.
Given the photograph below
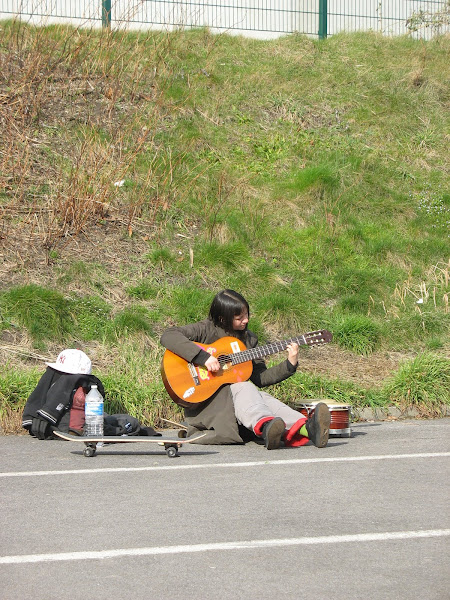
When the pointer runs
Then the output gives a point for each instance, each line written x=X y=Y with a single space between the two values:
x=253 y=18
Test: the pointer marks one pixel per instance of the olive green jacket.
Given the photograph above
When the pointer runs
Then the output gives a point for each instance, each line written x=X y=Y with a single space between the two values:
x=216 y=415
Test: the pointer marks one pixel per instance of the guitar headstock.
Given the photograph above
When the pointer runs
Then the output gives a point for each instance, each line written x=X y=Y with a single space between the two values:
x=314 y=338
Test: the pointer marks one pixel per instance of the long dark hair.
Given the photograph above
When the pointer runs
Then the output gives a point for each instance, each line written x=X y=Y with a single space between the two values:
x=226 y=305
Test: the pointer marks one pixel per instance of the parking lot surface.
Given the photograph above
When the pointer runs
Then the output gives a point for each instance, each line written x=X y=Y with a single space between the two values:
x=366 y=517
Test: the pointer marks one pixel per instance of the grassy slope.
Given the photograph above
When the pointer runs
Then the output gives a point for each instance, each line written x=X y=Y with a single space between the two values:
x=311 y=176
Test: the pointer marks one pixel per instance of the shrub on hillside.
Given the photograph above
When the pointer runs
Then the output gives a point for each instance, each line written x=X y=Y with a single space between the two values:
x=357 y=333
x=423 y=382
x=43 y=312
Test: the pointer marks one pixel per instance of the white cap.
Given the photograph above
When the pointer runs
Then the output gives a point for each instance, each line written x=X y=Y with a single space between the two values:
x=72 y=361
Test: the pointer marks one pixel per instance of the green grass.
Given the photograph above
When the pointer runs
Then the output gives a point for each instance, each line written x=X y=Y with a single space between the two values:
x=312 y=176
x=49 y=317
x=15 y=387
x=90 y=315
x=423 y=382
x=43 y=312
x=309 y=387
x=357 y=333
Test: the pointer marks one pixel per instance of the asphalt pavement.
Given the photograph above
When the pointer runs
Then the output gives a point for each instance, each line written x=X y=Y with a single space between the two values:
x=367 y=517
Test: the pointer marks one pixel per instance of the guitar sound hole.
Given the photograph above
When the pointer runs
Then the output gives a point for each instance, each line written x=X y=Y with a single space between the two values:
x=225 y=363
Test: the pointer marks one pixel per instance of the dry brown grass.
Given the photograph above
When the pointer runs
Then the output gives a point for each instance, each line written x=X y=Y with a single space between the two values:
x=57 y=181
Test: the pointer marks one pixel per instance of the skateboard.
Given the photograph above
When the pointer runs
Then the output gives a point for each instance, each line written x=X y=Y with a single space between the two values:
x=171 y=446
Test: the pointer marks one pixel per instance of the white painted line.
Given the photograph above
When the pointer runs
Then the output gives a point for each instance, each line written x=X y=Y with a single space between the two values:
x=262 y=463
x=221 y=546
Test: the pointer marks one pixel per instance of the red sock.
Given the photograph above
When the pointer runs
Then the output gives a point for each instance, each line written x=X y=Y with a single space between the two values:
x=260 y=424
x=293 y=438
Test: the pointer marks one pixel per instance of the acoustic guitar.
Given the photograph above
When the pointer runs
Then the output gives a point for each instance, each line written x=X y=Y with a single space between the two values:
x=188 y=384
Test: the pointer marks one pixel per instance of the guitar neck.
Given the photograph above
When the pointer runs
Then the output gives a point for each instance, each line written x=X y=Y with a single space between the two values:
x=262 y=351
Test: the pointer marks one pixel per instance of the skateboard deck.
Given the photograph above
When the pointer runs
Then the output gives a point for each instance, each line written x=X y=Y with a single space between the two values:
x=171 y=446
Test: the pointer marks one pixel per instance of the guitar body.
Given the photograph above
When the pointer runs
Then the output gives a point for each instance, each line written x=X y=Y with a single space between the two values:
x=188 y=384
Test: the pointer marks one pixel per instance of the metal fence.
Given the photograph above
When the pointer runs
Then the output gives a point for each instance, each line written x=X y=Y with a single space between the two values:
x=252 y=18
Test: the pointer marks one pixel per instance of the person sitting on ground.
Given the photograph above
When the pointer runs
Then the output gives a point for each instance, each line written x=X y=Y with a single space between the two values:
x=242 y=405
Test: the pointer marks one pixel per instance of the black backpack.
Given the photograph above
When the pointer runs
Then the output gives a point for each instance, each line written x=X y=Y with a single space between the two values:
x=49 y=404
x=49 y=407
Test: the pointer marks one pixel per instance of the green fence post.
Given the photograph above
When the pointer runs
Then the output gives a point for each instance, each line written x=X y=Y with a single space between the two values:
x=106 y=13
x=323 y=19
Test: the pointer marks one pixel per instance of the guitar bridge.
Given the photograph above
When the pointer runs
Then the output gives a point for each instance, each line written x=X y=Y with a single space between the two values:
x=193 y=373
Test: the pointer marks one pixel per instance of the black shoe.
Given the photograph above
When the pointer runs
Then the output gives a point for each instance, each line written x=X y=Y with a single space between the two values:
x=272 y=433
x=318 y=426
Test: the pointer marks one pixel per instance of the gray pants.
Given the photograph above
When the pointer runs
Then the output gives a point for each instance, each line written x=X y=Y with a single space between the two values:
x=252 y=404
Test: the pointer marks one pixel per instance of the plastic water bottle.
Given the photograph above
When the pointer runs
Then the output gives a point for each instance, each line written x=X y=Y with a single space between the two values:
x=93 y=412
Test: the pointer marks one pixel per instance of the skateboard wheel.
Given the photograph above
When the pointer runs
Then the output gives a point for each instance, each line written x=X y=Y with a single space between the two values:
x=89 y=451
x=172 y=452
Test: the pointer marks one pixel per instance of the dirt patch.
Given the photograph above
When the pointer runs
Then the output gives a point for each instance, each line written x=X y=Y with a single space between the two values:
x=364 y=371
x=24 y=259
